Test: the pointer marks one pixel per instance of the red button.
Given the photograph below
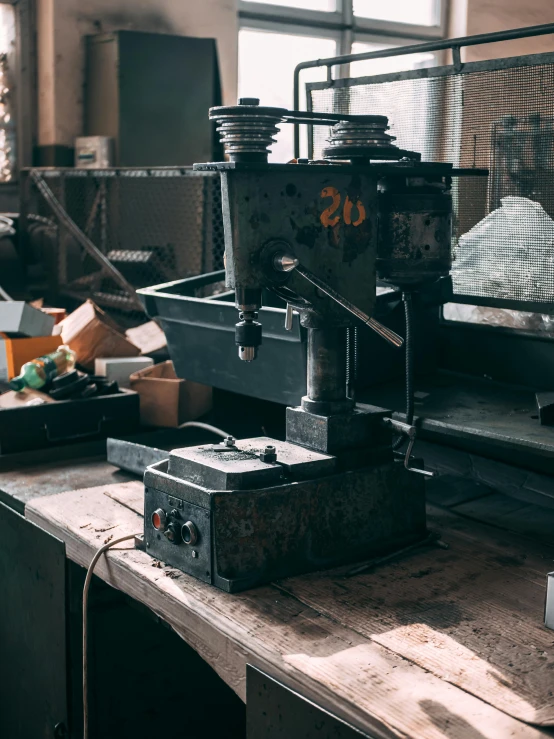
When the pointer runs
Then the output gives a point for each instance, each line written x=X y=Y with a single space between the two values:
x=159 y=519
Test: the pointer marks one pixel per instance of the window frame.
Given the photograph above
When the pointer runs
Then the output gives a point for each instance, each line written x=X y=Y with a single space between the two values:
x=22 y=66
x=340 y=23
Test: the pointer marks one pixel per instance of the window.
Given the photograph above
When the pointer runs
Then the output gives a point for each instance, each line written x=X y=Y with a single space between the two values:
x=387 y=64
x=7 y=118
x=416 y=12
x=275 y=35
x=323 y=5
x=266 y=67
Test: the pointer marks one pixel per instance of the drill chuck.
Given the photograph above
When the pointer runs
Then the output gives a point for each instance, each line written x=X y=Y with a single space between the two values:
x=248 y=335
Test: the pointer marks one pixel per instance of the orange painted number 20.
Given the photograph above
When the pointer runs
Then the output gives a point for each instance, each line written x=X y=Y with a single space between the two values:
x=328 y=217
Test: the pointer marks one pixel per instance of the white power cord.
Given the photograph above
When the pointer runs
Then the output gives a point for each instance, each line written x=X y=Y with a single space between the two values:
x=88 y=578
x=205 y=426
x=86 y=587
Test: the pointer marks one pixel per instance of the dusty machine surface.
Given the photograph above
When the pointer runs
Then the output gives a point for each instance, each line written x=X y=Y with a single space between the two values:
x=318 y=234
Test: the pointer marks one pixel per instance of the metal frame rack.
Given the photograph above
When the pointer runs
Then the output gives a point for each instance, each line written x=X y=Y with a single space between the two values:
x=456 y=68
x=341 y=23
x=97 y=231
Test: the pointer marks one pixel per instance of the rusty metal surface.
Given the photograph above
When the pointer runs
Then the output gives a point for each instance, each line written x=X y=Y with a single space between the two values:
x=268 y=534
x=222 y=469
x=299 y=463
x=363 y=428
x=327 y=216
x=260 y=535
x=415 y=235
x=240 y=467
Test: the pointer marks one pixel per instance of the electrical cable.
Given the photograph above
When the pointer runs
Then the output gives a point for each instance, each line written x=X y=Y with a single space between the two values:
x=206 y=427
x=86 y=588
x=409 y=348
x=88 y=578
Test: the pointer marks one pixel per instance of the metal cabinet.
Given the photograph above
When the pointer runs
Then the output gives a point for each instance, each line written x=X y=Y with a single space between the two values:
x=33 y=653
x=273 y=711
x=151 y=93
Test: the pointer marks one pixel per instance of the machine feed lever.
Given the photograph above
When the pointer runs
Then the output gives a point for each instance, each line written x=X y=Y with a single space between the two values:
x=285 y=263
x=289 y=317
x=411 y=433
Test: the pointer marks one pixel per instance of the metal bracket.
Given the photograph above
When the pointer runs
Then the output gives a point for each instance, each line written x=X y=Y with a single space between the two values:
x=457 y=58
x=411 y=433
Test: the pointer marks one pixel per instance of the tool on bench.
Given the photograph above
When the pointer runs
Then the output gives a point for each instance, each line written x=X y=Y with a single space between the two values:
x=317 y=234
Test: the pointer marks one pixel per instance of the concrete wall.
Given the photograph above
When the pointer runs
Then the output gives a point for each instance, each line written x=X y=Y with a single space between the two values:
x=62 y=24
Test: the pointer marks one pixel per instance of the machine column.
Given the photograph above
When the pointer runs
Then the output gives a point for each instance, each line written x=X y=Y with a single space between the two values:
x=326 y=375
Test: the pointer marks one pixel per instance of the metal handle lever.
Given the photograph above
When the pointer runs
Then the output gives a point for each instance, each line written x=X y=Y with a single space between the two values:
x=411 y=433
x=384 y=332
x=288 y=318
x=285 y=263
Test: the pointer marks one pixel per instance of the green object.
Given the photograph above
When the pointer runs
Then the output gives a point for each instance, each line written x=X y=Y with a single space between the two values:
x=39 y=372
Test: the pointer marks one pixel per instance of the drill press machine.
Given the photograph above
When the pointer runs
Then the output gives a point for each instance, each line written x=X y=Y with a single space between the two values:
x=241 y=513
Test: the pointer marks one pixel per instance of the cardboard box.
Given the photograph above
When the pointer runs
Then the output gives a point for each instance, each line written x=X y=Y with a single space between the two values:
x=149 y=337
x=58 y=314
x=120 y=369
x=21 y=319
x=91 y=334
x=166 y=400
x=15 y=352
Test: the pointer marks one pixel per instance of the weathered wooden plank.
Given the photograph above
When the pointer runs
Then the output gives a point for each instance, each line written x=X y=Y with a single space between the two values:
x=472 y=615
x=333 y=663
x=23 y=480
x=130 y=495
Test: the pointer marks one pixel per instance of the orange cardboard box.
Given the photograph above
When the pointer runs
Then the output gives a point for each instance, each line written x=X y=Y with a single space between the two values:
x=167 y=400
x=92 y=334
x=15 y=352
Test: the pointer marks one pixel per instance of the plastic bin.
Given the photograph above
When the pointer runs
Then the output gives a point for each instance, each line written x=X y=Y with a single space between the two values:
x=200 y=333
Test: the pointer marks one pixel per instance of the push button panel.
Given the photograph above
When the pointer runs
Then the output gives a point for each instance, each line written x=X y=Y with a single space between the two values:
x=178 y=533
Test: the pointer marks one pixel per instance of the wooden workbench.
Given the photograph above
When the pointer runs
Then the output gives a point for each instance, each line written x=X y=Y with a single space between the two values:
x=442 y=643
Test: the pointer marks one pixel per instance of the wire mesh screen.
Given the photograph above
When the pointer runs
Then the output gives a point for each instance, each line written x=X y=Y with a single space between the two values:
x=132 y=228
x=497 y=115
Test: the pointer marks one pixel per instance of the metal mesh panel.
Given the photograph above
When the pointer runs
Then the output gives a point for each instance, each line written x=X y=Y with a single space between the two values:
x=152 y=226
x=497 y=115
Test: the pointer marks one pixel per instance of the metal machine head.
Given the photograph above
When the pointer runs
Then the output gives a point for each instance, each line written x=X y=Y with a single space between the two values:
x=324 y=216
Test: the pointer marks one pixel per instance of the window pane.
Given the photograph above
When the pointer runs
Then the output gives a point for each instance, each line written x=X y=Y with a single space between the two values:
x=326 y=5
x=370 y=67
x=418 y=12
x=266 y=67
x=7 y=122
